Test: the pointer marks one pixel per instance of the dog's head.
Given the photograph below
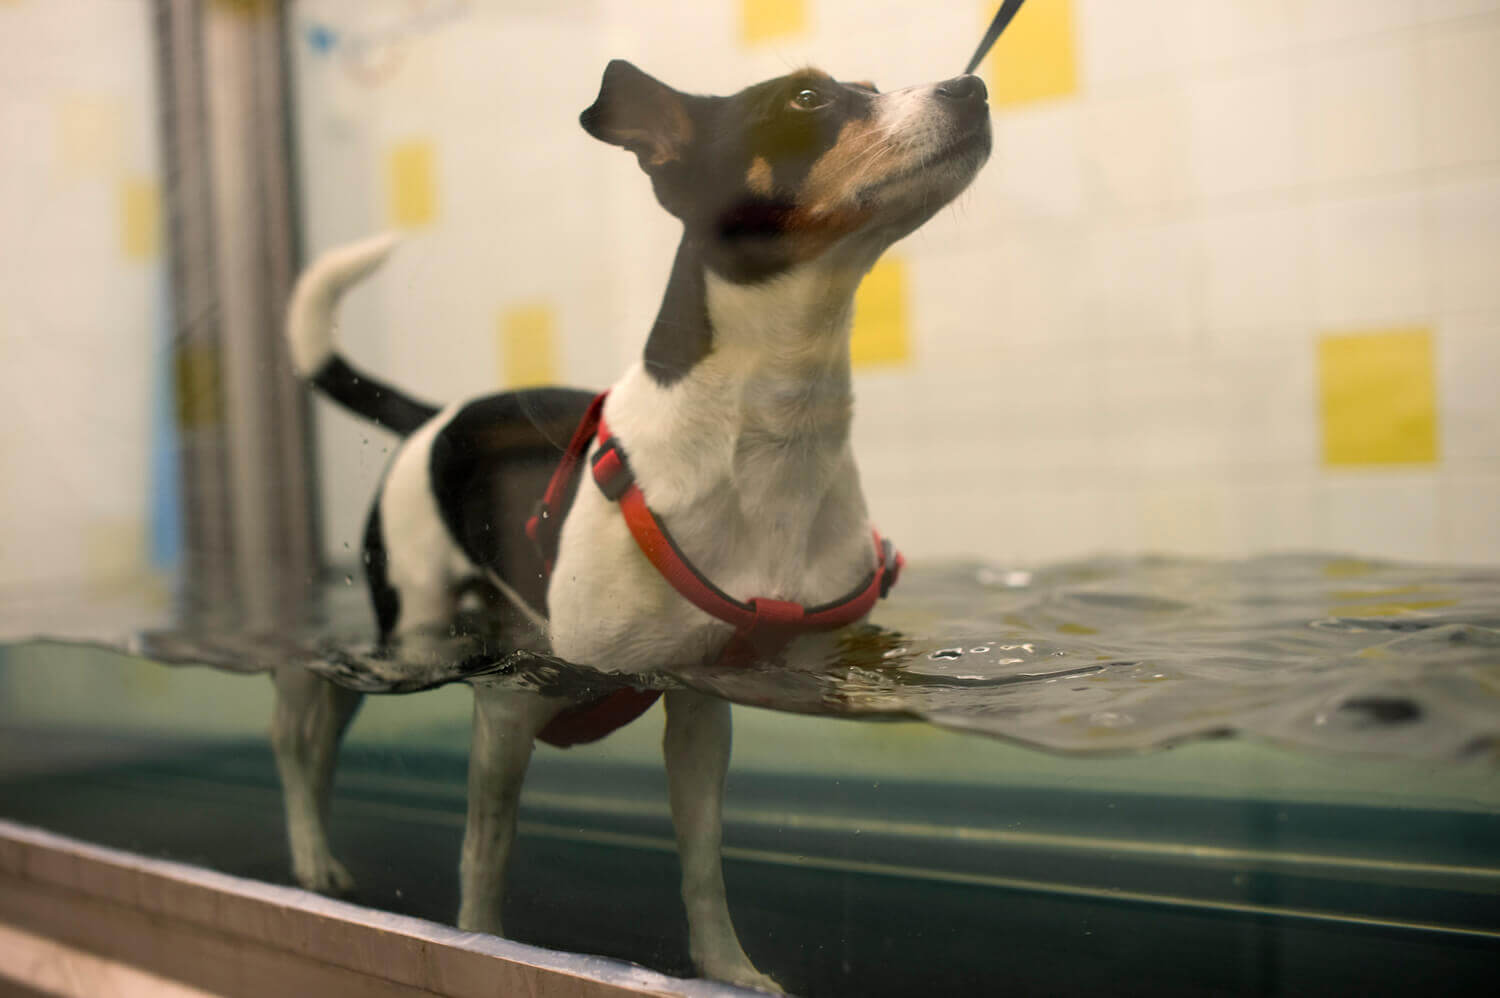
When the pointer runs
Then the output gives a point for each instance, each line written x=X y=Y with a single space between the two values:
x=786 y=170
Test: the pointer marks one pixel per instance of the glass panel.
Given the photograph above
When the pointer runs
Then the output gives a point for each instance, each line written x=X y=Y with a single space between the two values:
x=1163 y=349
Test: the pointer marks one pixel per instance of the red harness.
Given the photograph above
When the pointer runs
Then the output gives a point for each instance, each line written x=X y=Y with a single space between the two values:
x=761 y=626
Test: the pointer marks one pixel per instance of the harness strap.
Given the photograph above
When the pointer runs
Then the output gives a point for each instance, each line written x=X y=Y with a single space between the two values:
x=761 y=625
x=545 y=524
x=585 y=722
x=760 y=621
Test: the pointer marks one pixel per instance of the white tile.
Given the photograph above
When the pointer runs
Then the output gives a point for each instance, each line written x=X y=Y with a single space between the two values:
x=1468 y=375
x=1466 y=236
x=1041 y=525
x=1358 y=111
x=1127 y=41
x=1372 y=263
x=1270 y=403
x=1256 y=267
x=1165 y=413
x=1020 y=289
x=983 y=212
x=885 y=433
x=952 y=310
x=1270 y=513
x=1036 y=165
x=1216 y=31
x=881 y=41
x=1141 y=284
x=952 y=522
x=1460 y=95
x=1135 y=149
x=1470 y=511
x=1444 y=10
x=1332 y=20
x=1021 y=443
x=1381 y=514
x=1242 y=133
x=1186 y=518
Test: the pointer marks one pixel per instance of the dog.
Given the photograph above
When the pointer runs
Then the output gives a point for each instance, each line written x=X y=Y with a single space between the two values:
x=736 y=424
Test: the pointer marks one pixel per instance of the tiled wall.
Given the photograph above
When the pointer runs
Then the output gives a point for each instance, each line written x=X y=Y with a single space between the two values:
x=1228 y=285
x=81 y=298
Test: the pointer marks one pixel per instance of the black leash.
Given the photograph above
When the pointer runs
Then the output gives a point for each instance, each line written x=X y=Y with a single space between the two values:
x=999 y=24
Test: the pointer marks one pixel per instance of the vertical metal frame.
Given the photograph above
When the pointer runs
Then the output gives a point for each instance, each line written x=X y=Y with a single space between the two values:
x=248 y=491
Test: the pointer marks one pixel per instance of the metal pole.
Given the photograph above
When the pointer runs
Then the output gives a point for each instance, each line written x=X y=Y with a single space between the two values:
x=251 y=544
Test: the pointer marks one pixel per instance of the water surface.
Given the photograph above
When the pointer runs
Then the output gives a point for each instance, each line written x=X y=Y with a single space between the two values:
x=1102 y=655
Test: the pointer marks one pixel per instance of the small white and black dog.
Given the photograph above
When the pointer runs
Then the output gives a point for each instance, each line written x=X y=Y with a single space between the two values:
x=736 y=423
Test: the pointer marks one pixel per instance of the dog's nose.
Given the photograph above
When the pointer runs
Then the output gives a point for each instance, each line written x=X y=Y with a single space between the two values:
x=966 y=87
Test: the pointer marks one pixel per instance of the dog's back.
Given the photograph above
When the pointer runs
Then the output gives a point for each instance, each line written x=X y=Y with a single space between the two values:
x=449 y=515
x=488 y=465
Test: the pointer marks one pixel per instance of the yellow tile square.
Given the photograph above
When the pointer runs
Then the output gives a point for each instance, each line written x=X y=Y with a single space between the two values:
x=411 y=179
x=198 y=387
x=1379 y=398
x=140 y=218
x=881 y=337
x=1036 y=57
x=244 y=8
x=528 y=345
x=761 y=20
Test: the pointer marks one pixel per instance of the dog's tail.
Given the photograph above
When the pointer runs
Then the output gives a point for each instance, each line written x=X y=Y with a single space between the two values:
x=311 y=320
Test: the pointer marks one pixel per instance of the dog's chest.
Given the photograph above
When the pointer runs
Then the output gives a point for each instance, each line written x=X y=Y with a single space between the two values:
x=757 y=514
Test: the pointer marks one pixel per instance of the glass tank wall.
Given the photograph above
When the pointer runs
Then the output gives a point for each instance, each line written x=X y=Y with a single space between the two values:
x=1181 y=413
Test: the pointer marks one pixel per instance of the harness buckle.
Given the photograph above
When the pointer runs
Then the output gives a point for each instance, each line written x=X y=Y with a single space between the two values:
x=890 y=566
x=611 y=470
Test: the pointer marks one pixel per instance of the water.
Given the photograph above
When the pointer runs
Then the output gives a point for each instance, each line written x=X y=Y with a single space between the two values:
x=1105 y=655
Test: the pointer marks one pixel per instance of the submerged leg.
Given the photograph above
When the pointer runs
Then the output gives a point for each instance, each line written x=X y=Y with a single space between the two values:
x=505 y=724
x=310 y=717
x=696 y=747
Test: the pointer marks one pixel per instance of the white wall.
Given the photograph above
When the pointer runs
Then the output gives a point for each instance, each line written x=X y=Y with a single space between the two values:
x=1113 y=341
x=80 y=289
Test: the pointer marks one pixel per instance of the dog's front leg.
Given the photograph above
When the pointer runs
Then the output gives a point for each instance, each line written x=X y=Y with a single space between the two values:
x=696 y=746
x=505 y=724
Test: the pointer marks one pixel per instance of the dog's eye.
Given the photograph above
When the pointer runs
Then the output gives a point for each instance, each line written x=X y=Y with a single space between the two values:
x=810 y=100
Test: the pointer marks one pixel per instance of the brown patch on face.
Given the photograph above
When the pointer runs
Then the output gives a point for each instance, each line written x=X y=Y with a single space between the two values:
x=859 y=155
x=758 y=178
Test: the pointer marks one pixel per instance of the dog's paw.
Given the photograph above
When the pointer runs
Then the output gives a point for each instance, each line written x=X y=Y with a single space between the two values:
x=480 y=920
x=324 y=875
x=744 y=975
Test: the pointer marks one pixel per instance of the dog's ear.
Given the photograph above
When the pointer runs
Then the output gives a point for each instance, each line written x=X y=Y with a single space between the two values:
x=641 y=113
